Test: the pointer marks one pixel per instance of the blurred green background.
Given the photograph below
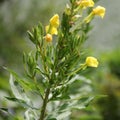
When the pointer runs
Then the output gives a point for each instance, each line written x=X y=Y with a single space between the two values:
x=18 y=16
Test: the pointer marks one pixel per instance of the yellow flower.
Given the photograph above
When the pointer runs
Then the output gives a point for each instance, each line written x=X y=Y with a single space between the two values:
x=51 y=30
x=86 y=3
x=52 y=27
x=100 y=11
x=91 y=62
x=54 y=21
x=48 y=38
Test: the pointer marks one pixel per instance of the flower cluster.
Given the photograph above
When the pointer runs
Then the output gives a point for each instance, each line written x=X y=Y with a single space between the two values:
x=54 y=22
x=51 y=29
x=99 y=10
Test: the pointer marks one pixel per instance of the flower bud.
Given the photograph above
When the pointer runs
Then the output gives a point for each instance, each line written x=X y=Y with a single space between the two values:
x=91 y=62
x=68 y=10
x=48 y=38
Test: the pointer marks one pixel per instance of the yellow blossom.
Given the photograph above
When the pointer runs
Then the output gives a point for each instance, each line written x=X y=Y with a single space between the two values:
x=51 y=30
x=91 y=62
x=53 y=25
x=48 y=38
x=54 y=21
x=86 y=3
x=100 y=11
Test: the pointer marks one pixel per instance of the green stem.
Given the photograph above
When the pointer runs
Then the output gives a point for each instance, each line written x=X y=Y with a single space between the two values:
x=45 y=101
x=82 y=67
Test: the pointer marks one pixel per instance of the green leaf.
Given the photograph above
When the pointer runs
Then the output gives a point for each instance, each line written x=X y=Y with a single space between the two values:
x=65 y=97
x=63 y=107
x=31 y=37
x=8 y=113
x=63 y=115
x=31 y=114
x=17 y=89
x=21 y=102
x=68 y=105
x=57 y=115
x=24 y=85
x=82 y=103
x=19 y=93
x=79 y=78
x=51 y=119
x=4 y=109
x=40 y=27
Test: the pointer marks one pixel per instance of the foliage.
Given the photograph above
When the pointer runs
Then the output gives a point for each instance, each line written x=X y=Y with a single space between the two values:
x=109 y=107
x=114 y=62
x=55 y=65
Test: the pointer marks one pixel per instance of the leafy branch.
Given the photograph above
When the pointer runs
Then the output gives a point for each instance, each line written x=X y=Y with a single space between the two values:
x=57 y=61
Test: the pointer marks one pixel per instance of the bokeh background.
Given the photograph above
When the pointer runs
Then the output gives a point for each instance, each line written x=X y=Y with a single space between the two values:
x=18 y=16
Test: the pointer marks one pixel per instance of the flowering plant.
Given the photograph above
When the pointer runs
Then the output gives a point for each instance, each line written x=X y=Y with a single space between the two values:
x=56 y=64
